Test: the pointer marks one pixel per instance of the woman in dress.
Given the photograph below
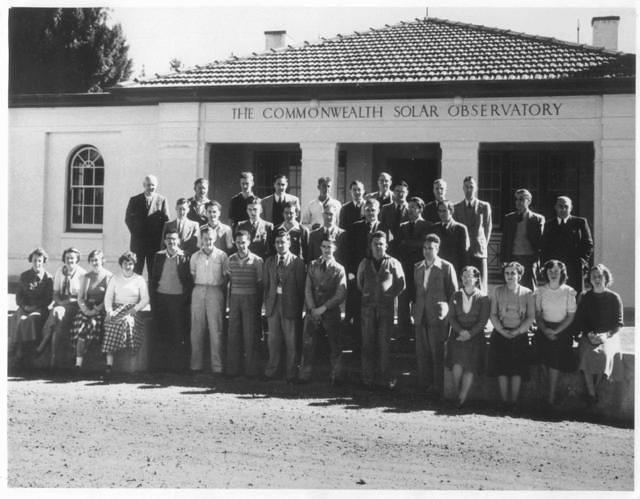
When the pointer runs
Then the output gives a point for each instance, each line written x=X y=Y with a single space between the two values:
x=88 y=322
x=469 y=310
x=512 y=315
x=599 y=318
x=34 y=295
x=67 y=282
x=555 y=310
x=126 y=295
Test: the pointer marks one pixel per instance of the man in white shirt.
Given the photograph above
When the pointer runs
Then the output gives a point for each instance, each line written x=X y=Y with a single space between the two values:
x=312 y=215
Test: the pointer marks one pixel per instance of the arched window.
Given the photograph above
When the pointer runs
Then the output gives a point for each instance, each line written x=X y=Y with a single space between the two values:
x=86 y=190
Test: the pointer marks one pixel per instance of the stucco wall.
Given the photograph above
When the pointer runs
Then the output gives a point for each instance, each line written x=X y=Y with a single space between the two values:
x=172 y=140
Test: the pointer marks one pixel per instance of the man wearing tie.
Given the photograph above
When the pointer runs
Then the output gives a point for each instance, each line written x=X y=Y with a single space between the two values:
x=430 y=213
x=522 y=237
x=568 y=239
x=476 y=216
x=188 y=230
x=260 y=231
x=283 y=280
x=197 y=203
x=353 y=210
x=273 y=205
x=393 y=214
x=329 y=227
x=435 y=281
x=220 y=233
x=145 y=217
x=383 y=195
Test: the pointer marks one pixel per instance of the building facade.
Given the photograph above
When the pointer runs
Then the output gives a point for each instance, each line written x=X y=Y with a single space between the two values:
x=420 y=100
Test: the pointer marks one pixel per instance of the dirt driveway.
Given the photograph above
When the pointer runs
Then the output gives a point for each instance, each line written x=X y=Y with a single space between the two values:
x=144 y=431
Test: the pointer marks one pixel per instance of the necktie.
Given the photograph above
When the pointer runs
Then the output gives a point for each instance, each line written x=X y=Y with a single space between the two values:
x=281 y=261
x=323 y=265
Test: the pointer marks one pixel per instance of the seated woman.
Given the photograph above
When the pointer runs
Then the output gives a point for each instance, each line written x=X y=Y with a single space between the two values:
x=512 y=315
x=469 y=310
x=66 y=287
x=126 y=295
x=555 y=310
x=599 y=318
x=88 y=323
x=34 y=295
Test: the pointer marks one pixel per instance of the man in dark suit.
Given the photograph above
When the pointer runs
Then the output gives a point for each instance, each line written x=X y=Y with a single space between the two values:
x=353 y=210
x=283 y=280
x=187 y=230
x=273 y=205
x=435 y=282
x=430 y=213
x=329 y=227
x=383 y=195
x=454 y=239
x=260 y=231
x=409 y=250
x=145 y=217
x=197 y=203
x=239 y=202
x=522 y=237
x=393 y=214
x=568 y=239
x=476 y=216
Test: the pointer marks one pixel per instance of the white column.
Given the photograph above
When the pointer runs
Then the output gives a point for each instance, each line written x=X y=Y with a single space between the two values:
x=459 y=160
x=319 y=159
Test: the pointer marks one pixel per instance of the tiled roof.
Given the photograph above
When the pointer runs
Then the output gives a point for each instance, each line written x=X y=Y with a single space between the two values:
x=424 y=50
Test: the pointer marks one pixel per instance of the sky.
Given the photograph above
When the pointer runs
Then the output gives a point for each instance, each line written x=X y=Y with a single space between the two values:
x=197 y=35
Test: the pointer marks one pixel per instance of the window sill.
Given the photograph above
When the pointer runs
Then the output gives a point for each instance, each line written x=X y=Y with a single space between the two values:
x=82 y=235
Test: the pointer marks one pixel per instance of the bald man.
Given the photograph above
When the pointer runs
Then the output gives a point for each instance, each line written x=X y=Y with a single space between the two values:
x=146 y=215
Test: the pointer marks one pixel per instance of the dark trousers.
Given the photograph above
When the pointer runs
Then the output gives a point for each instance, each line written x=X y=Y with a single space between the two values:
x=330 y=322
x=244 y=331
x=171 y=342
x=141 y=258
x=352 y=312
x=430 y=338
x=377 y=323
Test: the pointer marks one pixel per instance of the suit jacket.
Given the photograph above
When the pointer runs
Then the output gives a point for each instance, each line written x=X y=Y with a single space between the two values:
x=188 y=234
x=431 y=304
x=568 y=243
x=410 y=241
x=184 y=272
x=292 y=282
x=535 y=224
x=478 y=223
x=454 y=243
x=146 y=223
x=430 y=212
x=261 y=237
x=315 y=240
x=358 y=244
x=268 y=212
x=299 y=238
x=382 y=199
x=391 y=219
x=349 y=214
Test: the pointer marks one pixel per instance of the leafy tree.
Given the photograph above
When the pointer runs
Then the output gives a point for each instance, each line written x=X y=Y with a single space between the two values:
x=65 y=50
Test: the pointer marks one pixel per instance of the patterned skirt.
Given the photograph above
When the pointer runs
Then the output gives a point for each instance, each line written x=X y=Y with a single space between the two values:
x=122 y=330
x=87 y=328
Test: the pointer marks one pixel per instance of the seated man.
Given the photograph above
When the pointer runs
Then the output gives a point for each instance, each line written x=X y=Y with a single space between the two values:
x=325 y=291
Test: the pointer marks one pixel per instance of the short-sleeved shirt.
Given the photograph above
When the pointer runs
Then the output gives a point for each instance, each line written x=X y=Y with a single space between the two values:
x=555 y=304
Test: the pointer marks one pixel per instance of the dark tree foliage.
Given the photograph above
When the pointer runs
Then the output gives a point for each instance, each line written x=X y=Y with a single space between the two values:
x=65 y=50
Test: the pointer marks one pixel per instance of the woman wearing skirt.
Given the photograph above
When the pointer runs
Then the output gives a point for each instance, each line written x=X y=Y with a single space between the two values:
x=126 y=296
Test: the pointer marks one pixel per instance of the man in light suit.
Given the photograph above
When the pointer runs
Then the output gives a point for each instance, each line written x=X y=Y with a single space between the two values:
x=145 y=217
x=283 y=281
x=568 y=239
x=435 y=280
x=273 y=205
x=522 y=238
x=187 y=230
x=476 y=216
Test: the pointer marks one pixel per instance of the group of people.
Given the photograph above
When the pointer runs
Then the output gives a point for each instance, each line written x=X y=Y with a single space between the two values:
x=381 y=256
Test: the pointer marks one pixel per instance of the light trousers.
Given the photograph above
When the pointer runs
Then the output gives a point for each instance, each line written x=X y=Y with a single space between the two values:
x=207 y=317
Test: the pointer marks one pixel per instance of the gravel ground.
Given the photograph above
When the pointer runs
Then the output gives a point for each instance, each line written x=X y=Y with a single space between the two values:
x=177 y=432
